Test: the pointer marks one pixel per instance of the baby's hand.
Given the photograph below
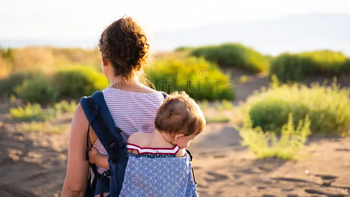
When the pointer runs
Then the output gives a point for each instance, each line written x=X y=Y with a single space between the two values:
x=93 y=154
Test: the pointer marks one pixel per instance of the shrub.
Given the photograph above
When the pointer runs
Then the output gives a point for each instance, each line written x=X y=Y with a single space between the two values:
x=48 y=59
x=30 y=112
x=34 y=112
x=38 y=90
x=65 y=106
x=296 y=67
x=327 y=107
x=197 y=77
x=79 y=81
x=8 y=85
x=265 y=144
x=233 y=55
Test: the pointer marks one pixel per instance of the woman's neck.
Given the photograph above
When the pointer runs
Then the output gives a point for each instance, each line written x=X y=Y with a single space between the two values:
x=120 y=83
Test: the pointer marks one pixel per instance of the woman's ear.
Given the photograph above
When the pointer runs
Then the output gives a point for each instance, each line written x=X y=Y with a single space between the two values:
x=104 y=61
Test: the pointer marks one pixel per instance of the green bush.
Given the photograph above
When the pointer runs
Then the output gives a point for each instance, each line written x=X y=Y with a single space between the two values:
x=8 y=85
x=30 y=112
x=65 y=106
x=79 y=81
x=34 y=112
x=38 y=90
x=233 y=55
x=296 y=67
x=197 y=77
x=327 y=107
x=265 y=144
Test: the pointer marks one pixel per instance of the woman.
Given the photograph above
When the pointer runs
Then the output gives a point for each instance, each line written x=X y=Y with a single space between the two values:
x=133 y=106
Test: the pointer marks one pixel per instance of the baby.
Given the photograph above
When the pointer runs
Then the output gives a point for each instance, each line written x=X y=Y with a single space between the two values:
x=178 y=121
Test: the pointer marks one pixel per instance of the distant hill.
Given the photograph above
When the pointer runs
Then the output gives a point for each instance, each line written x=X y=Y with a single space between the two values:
x=294 y=34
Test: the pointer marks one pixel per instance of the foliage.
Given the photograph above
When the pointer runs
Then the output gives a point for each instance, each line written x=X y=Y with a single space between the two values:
x=47 y=59
x=327 y=107
x=243 y=79
x=39 y=90
x=233 y=55
x=65 y=106
x=296 y=67
x=29 y=112
x=32 y=112
x=266 y=144
x=79 y=81
x=8 y=85
x=204 y=104
x=197 y=77
x=227 y=104
x=217 y=120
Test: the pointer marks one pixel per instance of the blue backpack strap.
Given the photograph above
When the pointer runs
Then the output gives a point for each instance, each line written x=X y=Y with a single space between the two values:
x=100 y=119
x=193 y=176
x=164 y=94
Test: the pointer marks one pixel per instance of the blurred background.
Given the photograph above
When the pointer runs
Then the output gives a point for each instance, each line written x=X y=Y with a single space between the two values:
x=272 y=77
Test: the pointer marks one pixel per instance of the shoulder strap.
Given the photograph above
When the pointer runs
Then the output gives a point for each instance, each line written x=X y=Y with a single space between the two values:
x=164 y=94
x=193 y=176
x=103 y=124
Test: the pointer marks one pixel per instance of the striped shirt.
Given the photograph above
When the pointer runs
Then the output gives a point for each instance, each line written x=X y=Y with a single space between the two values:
x=131 y=111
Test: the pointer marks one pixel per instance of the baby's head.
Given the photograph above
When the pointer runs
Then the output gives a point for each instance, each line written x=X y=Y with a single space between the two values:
x=179 y=119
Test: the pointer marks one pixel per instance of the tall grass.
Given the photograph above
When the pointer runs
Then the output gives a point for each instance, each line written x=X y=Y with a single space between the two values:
x=29 y=112
x=34 y=112
x=327 y=107
x=46 y=59
x=266 y=144
x=65 y=106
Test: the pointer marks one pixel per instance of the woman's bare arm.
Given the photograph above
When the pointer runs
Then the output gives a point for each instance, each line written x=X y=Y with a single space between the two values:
x=77 y=166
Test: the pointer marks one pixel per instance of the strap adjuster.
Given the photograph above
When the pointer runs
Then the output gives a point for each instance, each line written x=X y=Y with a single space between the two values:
x=111 y=143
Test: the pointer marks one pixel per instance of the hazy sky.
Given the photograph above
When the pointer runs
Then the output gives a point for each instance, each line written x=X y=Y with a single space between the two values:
x=47 y=19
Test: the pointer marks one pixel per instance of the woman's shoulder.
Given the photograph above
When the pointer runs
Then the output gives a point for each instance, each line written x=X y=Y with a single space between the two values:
x=112 y=92
x=147 y=89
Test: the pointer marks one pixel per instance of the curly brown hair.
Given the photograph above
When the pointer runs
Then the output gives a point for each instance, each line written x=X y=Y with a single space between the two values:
x=124 y=44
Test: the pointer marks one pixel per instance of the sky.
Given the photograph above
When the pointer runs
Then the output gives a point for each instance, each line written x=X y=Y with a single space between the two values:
x=50 y=19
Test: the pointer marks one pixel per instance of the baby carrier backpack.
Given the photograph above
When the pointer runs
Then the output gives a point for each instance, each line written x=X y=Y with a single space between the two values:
x=100 y=119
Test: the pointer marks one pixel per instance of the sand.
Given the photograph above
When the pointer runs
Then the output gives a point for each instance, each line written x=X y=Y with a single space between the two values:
x=33 y=164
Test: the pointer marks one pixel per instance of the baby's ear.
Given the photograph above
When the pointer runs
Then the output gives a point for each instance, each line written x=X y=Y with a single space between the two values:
x=178 y=136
